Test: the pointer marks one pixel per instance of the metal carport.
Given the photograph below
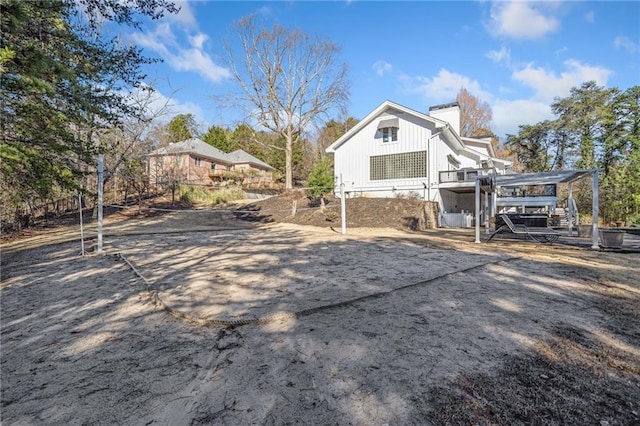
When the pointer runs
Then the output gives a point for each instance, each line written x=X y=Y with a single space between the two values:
x=490 y=183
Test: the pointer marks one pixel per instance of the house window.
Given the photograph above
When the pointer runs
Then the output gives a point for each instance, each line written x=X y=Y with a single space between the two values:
x=389 y=134
x=198 y=161
x=213 y=166
x=398 y=166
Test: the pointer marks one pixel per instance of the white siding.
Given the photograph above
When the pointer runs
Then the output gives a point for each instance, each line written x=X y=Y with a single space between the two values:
x=352 y=158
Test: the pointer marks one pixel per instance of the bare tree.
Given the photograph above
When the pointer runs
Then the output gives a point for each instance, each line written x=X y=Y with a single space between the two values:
x=475 y=115
x=288 y=81
x=129 y=141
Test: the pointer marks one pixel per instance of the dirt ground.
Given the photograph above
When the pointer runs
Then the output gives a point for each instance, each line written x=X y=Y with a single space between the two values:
x=220 y=317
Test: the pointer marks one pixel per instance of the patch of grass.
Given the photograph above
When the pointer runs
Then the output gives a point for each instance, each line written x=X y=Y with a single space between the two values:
x=193 y=194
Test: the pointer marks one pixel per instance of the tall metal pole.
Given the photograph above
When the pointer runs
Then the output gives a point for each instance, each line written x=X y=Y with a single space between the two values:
x=596 y=212
x=477 y=210
x=570 y=208
x=81 y=225
x=343 y=207
x=100 y=198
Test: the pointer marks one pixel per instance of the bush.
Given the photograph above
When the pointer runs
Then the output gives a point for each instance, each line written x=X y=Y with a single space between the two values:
x=321 y=178
x=633 y=220
x=192 y=194
x=411 y=195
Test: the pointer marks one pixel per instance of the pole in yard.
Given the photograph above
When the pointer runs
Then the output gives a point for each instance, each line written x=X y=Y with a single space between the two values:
x=81 y=226
x=100 y=198
x=594 y=237
x=343 y=207
x=477 y=211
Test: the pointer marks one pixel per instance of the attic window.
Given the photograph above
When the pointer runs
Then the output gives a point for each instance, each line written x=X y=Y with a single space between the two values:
x=389 y=134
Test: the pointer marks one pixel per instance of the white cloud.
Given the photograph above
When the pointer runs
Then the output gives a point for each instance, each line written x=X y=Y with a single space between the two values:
x=590 y=17
x=194 y=58
x=185 y=16
x=626 y=44
x=521 y=19
x=197 y=41
x=548 y=85
x=382 y=67
x=445 y=86
x=509 y=114
x=160 y=108
x=500 y=56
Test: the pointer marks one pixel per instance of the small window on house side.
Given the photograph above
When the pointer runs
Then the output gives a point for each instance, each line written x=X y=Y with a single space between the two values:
x=389 y=134
x=198 y=161
x=213 y=166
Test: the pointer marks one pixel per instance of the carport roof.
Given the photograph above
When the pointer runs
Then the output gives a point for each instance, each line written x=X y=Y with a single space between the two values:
x=542 y=178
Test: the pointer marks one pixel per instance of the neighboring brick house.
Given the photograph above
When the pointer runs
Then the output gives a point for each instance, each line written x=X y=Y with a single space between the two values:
x=195 y=161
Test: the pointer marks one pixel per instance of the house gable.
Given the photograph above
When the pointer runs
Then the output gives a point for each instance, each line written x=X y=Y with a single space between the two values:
x=389 y=110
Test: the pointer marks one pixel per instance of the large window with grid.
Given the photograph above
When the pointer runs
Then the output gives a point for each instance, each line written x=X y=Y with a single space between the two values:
x=398 y=166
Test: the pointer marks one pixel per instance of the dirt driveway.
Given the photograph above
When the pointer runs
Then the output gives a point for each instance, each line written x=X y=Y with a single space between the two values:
x=376 y=327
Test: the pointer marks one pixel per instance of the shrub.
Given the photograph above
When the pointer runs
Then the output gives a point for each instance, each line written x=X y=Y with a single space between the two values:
x=192 y=194
x=321 y=178
x=411 y=195
x=633 y=220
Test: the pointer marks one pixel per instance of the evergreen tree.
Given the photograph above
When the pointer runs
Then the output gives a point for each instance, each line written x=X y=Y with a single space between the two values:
x=216 y=136
x=182 y=127
x=61 y=83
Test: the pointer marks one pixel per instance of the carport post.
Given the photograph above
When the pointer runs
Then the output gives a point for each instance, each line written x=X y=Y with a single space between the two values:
x=343 y=207
x=571 y=213
x=486 y=212
x=494 y=202
x=477 y=210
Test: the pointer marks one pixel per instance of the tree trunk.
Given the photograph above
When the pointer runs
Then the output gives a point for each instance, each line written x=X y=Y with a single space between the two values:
x=288 y=154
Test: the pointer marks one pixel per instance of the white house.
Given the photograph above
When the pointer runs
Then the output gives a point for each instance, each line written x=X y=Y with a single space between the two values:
x=397 y=151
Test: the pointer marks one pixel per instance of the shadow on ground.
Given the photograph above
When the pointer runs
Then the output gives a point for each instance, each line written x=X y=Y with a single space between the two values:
x=455 y=335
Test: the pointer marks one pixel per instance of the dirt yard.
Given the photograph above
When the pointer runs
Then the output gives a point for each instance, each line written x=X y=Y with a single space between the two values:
x=215 y=317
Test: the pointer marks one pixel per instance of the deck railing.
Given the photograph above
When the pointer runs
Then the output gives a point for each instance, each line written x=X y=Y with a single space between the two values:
x=466 y=175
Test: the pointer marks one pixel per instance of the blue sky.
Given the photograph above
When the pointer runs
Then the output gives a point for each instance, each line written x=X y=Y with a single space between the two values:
x=515 y=55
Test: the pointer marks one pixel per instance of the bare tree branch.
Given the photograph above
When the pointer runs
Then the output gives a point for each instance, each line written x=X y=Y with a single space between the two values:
x=288 y=81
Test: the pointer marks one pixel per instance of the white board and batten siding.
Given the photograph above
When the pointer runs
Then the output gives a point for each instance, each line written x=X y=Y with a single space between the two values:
x=353 y=160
